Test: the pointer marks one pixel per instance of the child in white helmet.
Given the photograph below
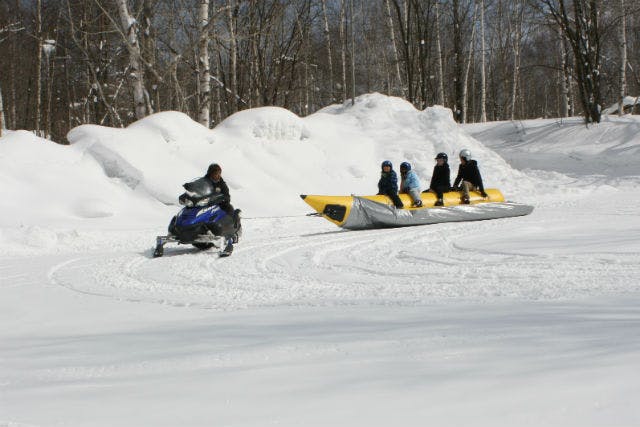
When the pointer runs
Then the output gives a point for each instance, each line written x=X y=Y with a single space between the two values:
x=468 y=177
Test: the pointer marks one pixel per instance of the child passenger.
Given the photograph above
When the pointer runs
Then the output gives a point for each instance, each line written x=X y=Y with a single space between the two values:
x=410 y=184
x=441 y=178
x=388 y=184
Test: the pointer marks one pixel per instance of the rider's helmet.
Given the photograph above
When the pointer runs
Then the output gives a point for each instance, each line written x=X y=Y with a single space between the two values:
x=465 y=154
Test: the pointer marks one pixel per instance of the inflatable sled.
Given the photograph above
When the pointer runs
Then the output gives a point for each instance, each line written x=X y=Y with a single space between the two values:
x=362 y=212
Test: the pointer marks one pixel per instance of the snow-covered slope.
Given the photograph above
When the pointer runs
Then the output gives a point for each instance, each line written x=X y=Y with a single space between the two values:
x=269 y=156
x=519 y=321
x=610 y=148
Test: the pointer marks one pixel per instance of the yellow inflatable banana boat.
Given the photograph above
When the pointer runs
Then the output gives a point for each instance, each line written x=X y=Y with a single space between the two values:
x=362 y=212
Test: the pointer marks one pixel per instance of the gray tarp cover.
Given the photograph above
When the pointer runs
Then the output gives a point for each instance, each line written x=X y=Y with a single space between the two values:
x=368 y=214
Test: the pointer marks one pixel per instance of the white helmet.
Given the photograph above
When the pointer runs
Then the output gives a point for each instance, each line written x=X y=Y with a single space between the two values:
x=465 y=154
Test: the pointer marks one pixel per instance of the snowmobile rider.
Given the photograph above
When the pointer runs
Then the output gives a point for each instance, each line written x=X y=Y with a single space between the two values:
x=388 y=184
x=468 y=176
x=214 y=175
x=410 y=184
x=440 y=179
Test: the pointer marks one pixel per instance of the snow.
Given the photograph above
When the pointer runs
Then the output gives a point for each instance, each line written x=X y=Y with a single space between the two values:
x=609 y=150
x=626 y=101
x=48 y=47
x=519 y=321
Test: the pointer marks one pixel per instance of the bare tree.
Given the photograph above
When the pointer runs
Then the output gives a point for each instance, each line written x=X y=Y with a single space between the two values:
x=130 y=28
x=583 y=32
x=2 y=121
x=394 y=49
x=203 y=64
x=441 y=99
x=564 y=75
x=38 y=73
x=353 y=54
x=516 y=45
x=623 y=57
x=459 y=15
x=343 y=42
x=465 y=82
x=483 y=78
x=327 y=36
x=232 y=10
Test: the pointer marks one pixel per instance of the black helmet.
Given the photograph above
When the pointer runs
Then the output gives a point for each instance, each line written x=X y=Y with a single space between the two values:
x=213 y=167
x=405 y=166
x=442 y=156
x=387 y=163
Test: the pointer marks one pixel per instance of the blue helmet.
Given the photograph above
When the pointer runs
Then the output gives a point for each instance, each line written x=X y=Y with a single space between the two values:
x=387 y=163
x=442 y=156
x=405 y=166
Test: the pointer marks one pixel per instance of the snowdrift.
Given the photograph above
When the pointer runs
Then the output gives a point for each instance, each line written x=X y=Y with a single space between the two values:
x=609 y=149
x=269 y=155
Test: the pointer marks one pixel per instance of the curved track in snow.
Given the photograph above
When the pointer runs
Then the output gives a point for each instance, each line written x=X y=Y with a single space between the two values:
x=307 y=262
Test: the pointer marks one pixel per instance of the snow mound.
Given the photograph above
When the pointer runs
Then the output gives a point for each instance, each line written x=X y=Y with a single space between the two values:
x=269 y=156
x=266 y=124
x=626 y=102
x=610 y=149
x=44 y=181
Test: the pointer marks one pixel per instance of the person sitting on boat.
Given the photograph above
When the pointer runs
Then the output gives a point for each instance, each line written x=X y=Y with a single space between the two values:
x=410 y=184
x=468 y=177
x=440 y=179
x=388 y=184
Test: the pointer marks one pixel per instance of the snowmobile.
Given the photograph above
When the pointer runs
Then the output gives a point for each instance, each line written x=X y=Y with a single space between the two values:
x=202 y=222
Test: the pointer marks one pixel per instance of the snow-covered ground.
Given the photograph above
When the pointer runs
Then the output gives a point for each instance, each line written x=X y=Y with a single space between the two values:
x=519 y=321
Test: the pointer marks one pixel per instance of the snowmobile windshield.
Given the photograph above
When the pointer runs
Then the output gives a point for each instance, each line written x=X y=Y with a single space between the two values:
x=200 y=187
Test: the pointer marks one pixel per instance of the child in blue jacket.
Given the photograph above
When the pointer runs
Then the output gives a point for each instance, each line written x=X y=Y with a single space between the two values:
x=410 y=184
x=388 y=184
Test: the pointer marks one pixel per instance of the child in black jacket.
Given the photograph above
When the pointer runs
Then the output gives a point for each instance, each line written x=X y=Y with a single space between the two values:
x=441 y=178
x=469 y=176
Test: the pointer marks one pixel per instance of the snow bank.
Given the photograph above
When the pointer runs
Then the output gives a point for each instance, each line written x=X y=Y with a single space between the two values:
x=627 y=102
x=610 y=149
x=45 y=182
x=268 y=155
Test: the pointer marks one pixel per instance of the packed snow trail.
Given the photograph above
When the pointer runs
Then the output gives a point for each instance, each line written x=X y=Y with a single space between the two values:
x=305 y=262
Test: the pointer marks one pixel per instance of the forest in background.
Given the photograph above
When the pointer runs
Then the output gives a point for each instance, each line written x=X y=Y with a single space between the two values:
x=64 y=63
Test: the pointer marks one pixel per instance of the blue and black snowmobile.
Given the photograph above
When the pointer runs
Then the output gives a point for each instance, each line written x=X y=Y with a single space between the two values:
x=202 y=222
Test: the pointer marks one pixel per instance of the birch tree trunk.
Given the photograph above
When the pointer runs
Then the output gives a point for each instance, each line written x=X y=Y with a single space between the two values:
x=1 y=113
x=465 y=81
x=516 y=59
x=233 y=56
x=327 y=36
x=129 y=26
x=254 y=39
x=203 y=65
x=439 y=49
x=458 y=51
x=623 y=60
x=395 y=50
x=564 y=87
x=353 y=55
x=13 y=109
x=149 y=53
x=343 y=41
x=483 y=78
x=38 y=64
